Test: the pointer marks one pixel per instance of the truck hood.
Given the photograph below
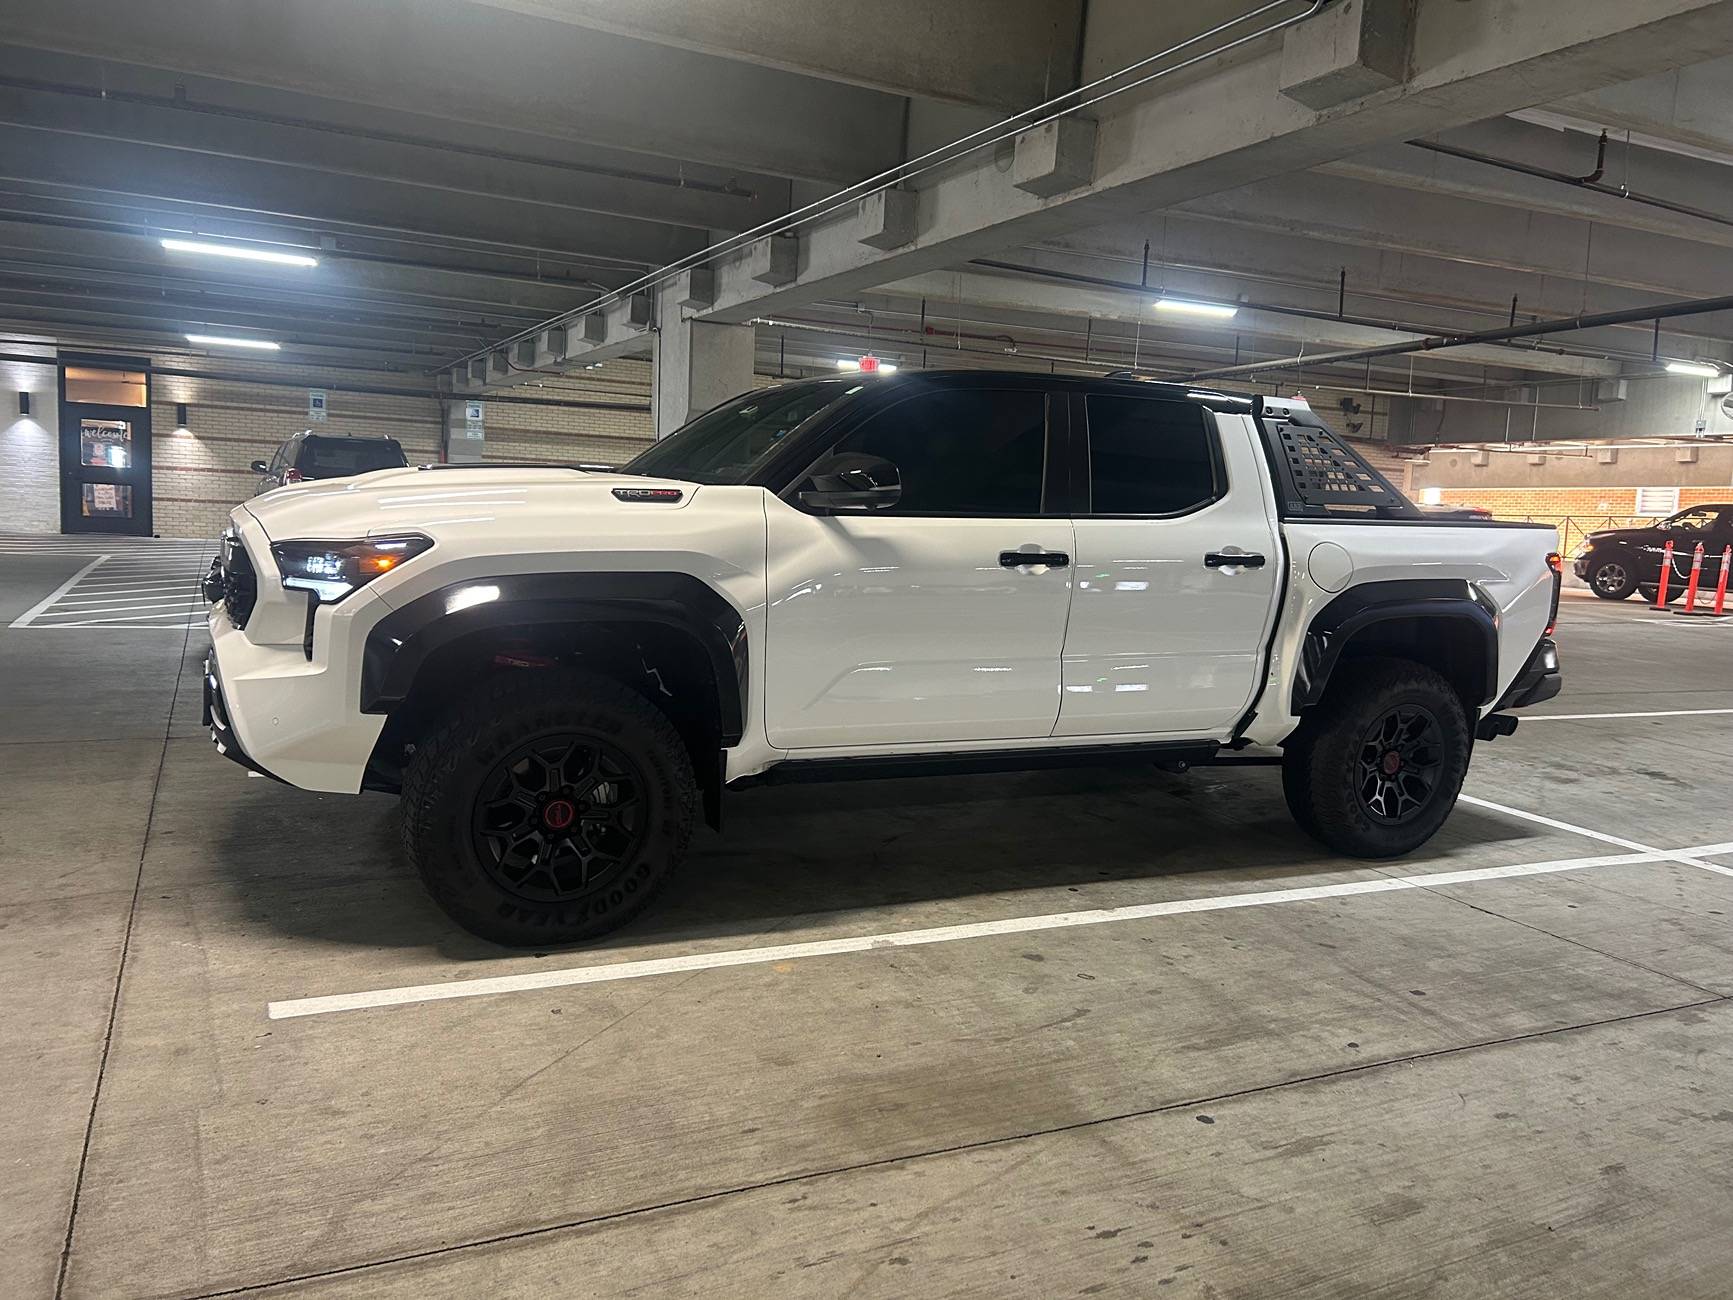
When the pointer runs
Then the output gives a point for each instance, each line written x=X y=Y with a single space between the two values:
x=402 y=500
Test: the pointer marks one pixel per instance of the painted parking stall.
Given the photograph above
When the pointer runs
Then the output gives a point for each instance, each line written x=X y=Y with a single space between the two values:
x=123 y=584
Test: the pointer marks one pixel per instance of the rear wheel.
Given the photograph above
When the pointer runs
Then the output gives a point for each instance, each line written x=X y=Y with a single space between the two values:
x=549 y=807
x=1612 y=580
x=1377 y=770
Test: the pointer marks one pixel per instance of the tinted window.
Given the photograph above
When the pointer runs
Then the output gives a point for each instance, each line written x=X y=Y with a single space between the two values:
x=727 y=444
x=1148 y=457
x=337 y=457
x=962 y=451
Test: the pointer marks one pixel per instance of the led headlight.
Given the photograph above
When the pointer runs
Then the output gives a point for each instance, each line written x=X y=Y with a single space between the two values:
x=331 y=570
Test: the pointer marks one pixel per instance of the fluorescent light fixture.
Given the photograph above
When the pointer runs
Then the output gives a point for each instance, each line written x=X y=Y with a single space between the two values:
x=223 y=341
x=238 y=251
x=1185 y=307
x=1700 y=369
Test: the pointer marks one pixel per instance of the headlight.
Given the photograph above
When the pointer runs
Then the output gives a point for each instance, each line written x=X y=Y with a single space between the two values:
x=332 y=570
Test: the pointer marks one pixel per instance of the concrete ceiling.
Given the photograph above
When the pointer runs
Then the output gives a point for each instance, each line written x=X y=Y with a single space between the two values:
x=468 y=169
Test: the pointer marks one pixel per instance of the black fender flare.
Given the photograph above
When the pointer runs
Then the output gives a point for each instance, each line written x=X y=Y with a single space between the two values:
x=401 y=642
x=1371 y=603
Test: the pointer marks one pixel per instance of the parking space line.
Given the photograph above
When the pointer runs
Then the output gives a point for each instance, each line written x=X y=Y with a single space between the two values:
x=1652 y=713
x=291 y=1008
x=1687 y=857
x=24 y=619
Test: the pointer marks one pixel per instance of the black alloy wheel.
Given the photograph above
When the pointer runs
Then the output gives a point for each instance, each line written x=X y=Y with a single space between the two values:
x=1612 y=580
x=559 y=818
x=1401 y=759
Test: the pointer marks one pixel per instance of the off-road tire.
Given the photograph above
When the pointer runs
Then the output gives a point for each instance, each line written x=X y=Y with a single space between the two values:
x=1325 y=775
x=1612 y=579
x=464 y=749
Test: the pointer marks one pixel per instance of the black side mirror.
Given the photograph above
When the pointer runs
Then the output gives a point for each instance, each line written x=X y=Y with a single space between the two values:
x=259 y=467
x=853 y=481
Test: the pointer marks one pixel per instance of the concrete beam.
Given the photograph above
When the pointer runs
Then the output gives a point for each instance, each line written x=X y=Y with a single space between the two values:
x=1006 y=54
x=90 y=166
x=1159 y=149
x=567 y=185
x=1016 y=293
x=1690 y=181
x=338 y=279
x=1353 y=49
x=1568 y=249
x=1687 y=106
x=476 y=64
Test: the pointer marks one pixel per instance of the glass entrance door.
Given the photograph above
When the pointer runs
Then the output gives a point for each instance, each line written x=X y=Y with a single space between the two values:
x=104 y=452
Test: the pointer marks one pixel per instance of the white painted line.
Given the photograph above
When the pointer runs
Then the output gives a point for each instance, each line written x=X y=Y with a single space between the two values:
x=164 y=606
x=1589 y=717
x=1687 y=857
x=23 y=620
x=93 y=618
x=549 y=979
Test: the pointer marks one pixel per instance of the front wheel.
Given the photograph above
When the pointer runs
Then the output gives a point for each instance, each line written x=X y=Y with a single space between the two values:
x=548 y=807
x=1377 y=769
x=1612 y=580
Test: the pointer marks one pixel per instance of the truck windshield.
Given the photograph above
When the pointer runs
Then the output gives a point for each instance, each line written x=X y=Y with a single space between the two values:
x=727 y=444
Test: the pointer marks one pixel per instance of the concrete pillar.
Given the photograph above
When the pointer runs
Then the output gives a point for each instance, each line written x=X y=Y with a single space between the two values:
x=697 y=364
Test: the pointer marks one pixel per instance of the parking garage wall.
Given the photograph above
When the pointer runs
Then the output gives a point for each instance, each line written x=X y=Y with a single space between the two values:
x=29 y=445
x=1577 y=489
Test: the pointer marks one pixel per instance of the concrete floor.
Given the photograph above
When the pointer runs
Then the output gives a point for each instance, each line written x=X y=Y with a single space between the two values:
x=1509 y=1086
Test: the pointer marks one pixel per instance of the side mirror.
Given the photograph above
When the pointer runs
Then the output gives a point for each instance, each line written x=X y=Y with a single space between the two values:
x=259 y=467
x=852 y=481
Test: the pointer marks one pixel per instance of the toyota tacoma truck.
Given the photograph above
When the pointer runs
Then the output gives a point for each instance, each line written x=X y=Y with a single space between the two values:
x=559 y=671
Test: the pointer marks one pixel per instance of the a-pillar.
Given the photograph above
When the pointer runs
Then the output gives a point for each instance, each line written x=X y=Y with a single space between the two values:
x=698 y=363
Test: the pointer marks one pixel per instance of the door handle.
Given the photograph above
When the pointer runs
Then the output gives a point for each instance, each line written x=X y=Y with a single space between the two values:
x=1018 y=559
x=1233 y=560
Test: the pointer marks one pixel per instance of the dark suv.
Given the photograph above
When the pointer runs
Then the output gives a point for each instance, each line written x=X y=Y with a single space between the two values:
x=310 y=455
x=1618 y=561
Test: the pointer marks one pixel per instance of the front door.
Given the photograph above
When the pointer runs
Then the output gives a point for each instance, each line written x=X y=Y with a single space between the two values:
x=104 y=451
x=1167 y=630
x=917 y=623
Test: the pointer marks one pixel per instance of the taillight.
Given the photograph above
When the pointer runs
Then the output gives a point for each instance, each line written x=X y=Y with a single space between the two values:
x=1556 y=563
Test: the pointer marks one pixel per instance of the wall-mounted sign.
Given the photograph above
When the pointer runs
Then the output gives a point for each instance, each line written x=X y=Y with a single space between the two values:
x=1657 y=500
x=316 y=406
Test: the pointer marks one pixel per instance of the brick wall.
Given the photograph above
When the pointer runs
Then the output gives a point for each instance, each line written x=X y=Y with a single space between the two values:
x=201 y=472
x=29 y=446
x=1573 y=511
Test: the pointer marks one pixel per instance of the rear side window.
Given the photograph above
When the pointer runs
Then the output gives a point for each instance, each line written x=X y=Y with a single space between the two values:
x=337 y=457
x=964 y=451
x=1149 y=457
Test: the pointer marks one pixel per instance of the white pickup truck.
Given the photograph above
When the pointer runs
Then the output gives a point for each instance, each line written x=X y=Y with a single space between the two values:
x=558 y=670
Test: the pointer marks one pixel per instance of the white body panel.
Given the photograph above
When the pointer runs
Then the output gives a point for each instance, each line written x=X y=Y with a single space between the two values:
x=869 y=635
x=1158 y=642
x=1507 y=564
x=898 y=628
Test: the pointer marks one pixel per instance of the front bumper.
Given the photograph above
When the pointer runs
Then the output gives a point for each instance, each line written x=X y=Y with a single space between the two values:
x=1581 y=567
x=216 y=717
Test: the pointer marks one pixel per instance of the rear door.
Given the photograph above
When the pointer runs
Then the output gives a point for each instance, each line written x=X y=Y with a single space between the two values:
x=1178 y=564
x=918 y=623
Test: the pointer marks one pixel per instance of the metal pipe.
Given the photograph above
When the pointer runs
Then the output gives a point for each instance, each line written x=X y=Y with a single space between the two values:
x=1030 y=118
x=1662 y=311
x=1590 y=182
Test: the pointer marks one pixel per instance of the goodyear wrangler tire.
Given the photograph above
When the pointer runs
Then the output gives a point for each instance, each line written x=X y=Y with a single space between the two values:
x=549 y=807
x=1377 y=770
